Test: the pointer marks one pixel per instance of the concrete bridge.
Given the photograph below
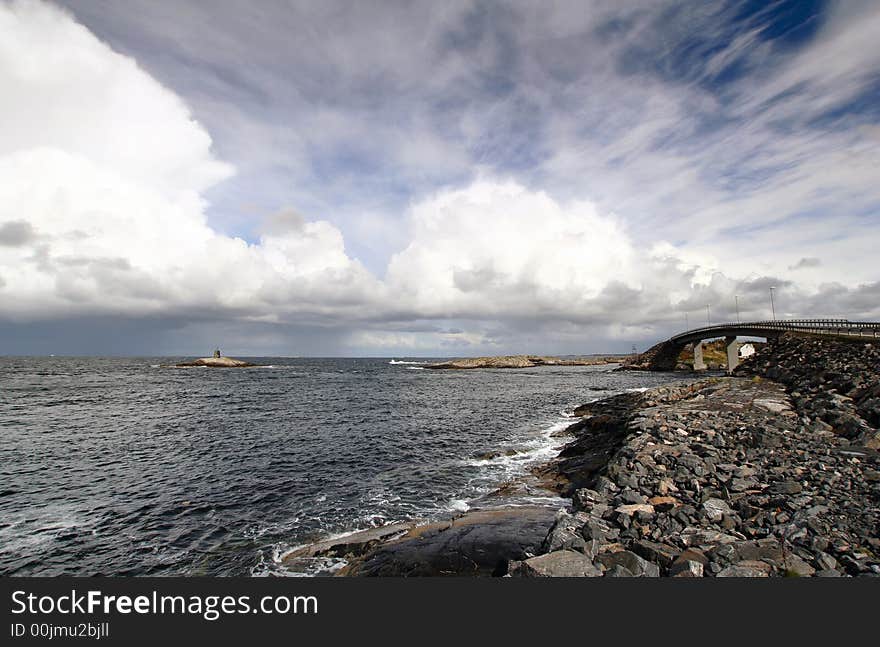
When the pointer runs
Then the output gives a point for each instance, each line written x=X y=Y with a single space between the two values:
x=663 y=356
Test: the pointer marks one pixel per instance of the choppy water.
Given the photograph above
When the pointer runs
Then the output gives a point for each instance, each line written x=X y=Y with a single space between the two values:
x=119 y=467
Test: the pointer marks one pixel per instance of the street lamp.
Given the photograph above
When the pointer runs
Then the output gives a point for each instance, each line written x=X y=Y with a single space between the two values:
x=687 y=326
x=708 y=318
x=736 y=296
x=772 y=305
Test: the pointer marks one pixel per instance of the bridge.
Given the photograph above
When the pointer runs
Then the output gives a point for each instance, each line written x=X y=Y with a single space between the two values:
x=664 y=356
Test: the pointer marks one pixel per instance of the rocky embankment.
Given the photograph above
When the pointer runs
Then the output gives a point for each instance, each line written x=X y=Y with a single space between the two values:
x=521 y=361
x=741 y=476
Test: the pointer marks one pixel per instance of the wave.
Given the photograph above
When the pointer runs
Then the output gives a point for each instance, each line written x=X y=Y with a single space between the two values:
x=402 y=361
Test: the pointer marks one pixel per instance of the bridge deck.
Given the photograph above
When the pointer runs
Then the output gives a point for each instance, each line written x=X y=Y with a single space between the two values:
x=771 y=328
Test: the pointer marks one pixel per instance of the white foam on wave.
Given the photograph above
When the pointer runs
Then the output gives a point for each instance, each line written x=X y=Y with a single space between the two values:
x=403 y=361
x=459 y=505
x=415 y=368
x=515 y=463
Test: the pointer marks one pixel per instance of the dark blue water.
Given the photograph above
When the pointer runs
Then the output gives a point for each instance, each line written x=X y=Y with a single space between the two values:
x=119 y=467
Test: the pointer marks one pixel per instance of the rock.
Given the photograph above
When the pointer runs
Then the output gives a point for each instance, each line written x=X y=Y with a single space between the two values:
x=633 y=508
x=585 y=500
x=636 y=565
x=216 y=362
x=618 y=571
x=565 y=533
x=767 y=550
x=795 y=566
x=598 y=529
x=773 y=406
x=687 y=568
x=716 y=509
x=560 y=563
x=742 y=484
x=828 y=573
x=663 y=503
x=656 y=552
x=693 y=555
x=872 y=476
x=786 y=487
x=692 y=536
x=480 y=543
x=825 y=562
x=746 y=569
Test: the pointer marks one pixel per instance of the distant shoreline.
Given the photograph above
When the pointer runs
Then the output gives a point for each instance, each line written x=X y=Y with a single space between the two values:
x=522 y=361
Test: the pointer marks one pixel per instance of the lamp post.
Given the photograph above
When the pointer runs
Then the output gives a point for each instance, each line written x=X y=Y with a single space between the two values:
x=708 y=317
x=772 y=305
x=686 y=324
x=736 y=297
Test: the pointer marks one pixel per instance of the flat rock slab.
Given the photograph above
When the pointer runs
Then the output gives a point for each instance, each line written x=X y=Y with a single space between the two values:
x=481 y=543
x=560 y=563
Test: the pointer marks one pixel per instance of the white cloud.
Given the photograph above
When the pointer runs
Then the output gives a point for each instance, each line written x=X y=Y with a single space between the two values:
x=107 y=168
x=495 y=249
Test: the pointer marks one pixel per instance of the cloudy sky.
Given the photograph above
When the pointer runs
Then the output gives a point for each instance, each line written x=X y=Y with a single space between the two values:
x=430 y=178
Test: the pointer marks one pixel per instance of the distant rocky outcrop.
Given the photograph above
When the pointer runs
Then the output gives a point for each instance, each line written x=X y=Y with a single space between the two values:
x=216 y=362
x=521 y=361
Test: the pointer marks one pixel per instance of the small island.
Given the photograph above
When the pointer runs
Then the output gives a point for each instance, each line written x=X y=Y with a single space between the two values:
x=216 y=361
x=522 y=361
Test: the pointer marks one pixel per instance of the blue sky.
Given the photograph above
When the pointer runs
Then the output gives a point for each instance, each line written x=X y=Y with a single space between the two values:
x=432 y=178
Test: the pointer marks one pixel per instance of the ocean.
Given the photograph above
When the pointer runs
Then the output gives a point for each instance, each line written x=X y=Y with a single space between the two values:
x=117 y=466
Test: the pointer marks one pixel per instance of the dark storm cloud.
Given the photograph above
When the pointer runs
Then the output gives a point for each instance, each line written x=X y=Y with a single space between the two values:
x=16 y=233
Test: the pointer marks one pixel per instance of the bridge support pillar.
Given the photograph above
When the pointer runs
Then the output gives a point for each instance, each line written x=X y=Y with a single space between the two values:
x=732 y=353
x=699 y=364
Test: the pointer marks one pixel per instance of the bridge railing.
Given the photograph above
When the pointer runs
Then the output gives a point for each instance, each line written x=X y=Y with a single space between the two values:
x=820 y=326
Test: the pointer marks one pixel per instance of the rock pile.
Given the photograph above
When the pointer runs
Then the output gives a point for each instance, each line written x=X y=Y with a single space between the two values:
x=834 y=382
x=721 y=477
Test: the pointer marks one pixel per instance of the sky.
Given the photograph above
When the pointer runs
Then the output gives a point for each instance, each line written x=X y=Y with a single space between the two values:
x=431 y=179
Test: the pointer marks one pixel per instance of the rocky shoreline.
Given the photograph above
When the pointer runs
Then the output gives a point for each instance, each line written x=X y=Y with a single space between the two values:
x=772 y=472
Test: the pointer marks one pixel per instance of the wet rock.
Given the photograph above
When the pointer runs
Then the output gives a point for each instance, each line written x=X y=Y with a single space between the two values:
x=480 y=543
